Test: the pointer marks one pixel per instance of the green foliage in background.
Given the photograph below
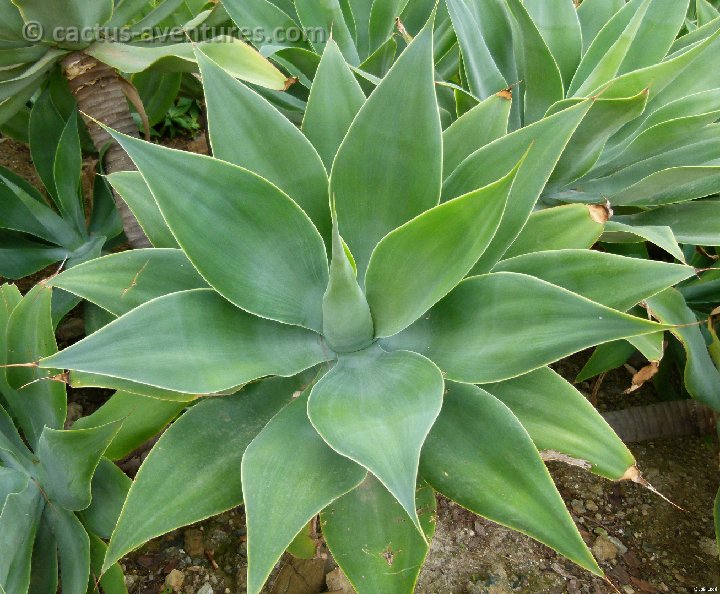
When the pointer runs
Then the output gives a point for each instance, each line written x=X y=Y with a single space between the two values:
x=129 y=35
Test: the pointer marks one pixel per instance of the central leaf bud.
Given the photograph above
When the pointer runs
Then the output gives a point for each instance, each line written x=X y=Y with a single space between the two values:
x=347 y=323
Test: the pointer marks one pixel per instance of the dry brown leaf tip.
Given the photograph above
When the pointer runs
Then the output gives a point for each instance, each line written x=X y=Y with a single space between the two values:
x=600 y=213
x=642 y=376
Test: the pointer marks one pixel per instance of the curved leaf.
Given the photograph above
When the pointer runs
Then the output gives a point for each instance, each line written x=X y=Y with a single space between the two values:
x=30 y=336
x=110 y=487
x=702 y=378
x=142 y=418
x=388 y=168
x=134 y=191
x=278 y=271
x=198 y=460
x=200 y=344
x=572 y=226
x=478 y=333
x=335 y=99
x=485 y=122
x=121 y=282
x=376 y=408
x=483 y=75
x=68 y=461
x=372 y=539
x=19 y=519
x=479 y=455
x=347 y=324
x=289 y=474
x=547 y=140
x=415 y=266
x=561 y=419
x=616 y=281
x=275 y=150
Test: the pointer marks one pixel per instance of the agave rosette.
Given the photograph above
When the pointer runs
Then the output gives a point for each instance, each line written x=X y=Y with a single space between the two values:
x=415 y=361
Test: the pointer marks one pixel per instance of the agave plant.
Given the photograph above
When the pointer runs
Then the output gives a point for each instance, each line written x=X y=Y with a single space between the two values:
x=91 y=40
x=35 y=233
x=649 y=145
x=357 y=388
x=58 y=495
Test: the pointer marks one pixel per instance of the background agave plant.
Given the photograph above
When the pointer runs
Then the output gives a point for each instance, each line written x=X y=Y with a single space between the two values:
x=35 y=234
x=59 y=497
x=390 y=374
x=92 y=40
x=648 y=146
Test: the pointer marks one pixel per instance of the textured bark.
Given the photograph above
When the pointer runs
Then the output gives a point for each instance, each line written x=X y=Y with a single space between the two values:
x=678 y=418
x=99 y=94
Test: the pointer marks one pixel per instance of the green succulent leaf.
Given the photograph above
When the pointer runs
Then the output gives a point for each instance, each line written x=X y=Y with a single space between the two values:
x=68 y=461
x=263 y=14
x=661 y=236
x=277 y=150
x=605 y=118
x=200 y=344
x=692 y=222
x=607 y=53
x=142 y=418
x=11 y=481
x=110 y=487
x=30 y=336
x=542 y=81
x=277 y=271
x=185 y=461
x=73 y=549
x=236 y=57
x=617 y=281
x=480 y=456
x=571 y=226
x=485 y=122
x=483 y=75
x=377 y=408
x=67 y=171
x=335 y=99
x=373 y=540
x=547 y=140
x=19 y=520
x=289 y=474
x=560 y=29
x=23 y=212
x=701 y=376
x=121 y=282
x=71 y=14
x=415 y=266
x=388 y=168
x=347 y=324
x=472 y=342
x=328 y=15
x=560 y=419
x=610 y=355
x=677 y=184
x=44 y=571
x=112 y=581
x=134 y=191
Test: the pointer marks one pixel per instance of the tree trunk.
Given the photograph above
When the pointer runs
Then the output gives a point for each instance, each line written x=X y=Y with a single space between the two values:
x=99 y=94
x=677 y=418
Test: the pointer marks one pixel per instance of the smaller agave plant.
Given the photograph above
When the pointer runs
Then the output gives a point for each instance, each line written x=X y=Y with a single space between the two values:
x=36 y=232
x=415 y=361
x=59 y=497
